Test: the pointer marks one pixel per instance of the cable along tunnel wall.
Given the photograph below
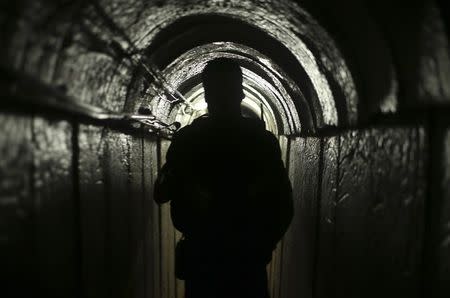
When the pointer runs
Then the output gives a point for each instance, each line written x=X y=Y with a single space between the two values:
x=77 y=197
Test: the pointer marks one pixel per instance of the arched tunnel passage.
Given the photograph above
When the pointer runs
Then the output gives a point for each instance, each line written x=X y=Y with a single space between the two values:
x=294 y=66
x=81 y=150
x=262 y=85
x=288 y=112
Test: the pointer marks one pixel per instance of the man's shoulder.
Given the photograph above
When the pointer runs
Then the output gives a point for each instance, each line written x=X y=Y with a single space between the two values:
x=196 y=125
x=191 y=130
x=204 y=124
x=258 y=128
x=253 y=123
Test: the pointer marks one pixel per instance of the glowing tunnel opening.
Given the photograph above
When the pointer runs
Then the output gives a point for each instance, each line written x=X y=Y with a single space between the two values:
x=268 y=95
x=256 y=103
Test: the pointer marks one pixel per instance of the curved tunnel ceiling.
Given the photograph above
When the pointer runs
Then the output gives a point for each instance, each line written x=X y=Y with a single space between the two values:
x=259 y=75
x=90 y=51
x=295 y=64
x=311 y=86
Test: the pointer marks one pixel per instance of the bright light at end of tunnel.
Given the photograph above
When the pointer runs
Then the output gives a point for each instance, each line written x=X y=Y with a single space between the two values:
x=254 y=105
x=200 y=105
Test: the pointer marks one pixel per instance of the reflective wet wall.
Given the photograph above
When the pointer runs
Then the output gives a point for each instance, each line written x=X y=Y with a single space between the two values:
x=357 y=93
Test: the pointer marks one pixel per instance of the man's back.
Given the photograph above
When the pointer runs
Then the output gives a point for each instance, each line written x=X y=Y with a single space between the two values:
x=231 y=185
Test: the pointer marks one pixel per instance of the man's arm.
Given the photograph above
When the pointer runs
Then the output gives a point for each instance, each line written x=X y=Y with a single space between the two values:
x=168 y=178
x=275 y=194
x=163 y=185
x=282 y=190
x=272 y=206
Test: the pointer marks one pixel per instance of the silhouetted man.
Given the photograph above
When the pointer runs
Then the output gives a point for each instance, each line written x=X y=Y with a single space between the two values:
x=230 y=194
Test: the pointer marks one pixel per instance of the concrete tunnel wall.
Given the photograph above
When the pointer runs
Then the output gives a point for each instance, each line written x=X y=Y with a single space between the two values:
x=371 y=179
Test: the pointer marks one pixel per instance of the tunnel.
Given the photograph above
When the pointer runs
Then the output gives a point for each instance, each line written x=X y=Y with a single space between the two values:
x=356 y=92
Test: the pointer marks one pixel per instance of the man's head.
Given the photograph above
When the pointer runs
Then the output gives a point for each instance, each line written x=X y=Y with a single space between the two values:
x=222 y=81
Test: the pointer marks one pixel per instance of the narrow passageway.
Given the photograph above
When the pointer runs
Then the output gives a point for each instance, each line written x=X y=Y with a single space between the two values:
x=358 y=96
